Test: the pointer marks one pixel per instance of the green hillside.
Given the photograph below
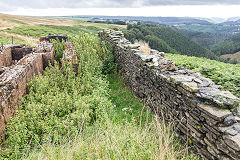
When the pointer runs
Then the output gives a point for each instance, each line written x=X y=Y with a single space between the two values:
x=204 y=39
x=229 y=46
x=167 y=40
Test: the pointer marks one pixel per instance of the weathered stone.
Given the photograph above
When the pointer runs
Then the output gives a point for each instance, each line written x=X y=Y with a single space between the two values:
x=238 y=110
x=222 y=146
x=230 y=120
x=181 y=71
x=132 y=46
x=214 y=112
x=197 y=80
x=223 y=157
x=182 y=78
x=166 y=64
x=205 y=82
x=190 y=86
x=145 y=57
x=153 y=51
x=6 y=56
x=233 y=141
x=236 y=126
x=231 y=132
x=224 y=99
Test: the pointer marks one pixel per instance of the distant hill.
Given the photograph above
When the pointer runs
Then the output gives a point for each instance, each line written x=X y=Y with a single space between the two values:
x=204 y=39
x=237 y=22
x=161 y=20
x=168 y=40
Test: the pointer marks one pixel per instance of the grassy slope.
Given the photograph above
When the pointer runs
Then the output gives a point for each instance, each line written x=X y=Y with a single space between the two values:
x=28 y=29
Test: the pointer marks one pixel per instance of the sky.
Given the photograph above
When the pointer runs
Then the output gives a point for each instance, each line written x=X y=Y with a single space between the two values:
x=178 y=8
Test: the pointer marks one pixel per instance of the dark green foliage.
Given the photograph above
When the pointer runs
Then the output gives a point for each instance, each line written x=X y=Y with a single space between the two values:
x=160 y=44
x=229 y=46
x=109 y=66
x=224 y=30
x=59 y=48
x=167 y=40
x=205 y=39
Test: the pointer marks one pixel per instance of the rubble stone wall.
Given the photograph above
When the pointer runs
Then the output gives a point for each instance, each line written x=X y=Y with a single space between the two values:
x=205 y=117
x=19 y=52
x=6 y=57
x=13 y=81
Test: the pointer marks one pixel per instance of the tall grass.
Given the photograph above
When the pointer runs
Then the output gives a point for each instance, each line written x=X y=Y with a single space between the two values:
x=144 y=46
x=116 y=141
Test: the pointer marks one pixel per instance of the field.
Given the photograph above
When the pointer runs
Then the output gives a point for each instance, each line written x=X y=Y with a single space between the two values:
x=91 y=115
x=28 y=29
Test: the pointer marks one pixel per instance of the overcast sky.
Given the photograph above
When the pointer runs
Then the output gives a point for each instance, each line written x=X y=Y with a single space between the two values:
x=190 y=8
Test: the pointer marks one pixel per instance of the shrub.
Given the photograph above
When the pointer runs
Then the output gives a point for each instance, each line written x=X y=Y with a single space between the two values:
x=59 y=48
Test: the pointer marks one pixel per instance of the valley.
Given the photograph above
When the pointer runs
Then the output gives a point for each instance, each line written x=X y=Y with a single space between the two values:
x=105 y=97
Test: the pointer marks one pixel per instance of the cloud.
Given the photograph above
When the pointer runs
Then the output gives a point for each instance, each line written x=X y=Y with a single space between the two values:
x=191 y=2
x=41 y=4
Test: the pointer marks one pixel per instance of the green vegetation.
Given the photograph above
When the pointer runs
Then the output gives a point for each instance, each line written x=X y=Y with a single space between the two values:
x=205 y=39
x=228 y=46
x=61 y=103
x=59 y=48
x=86 y=116
x=210 y=28
x=167 y=40
x=219 y=38
x=17 y=21
x=226 y=75
x=41 y=30
x=8 y=40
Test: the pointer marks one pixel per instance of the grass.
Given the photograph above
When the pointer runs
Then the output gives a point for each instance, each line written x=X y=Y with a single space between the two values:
x=144 y=47
x=126 y=105
x=17 y=21
x=115 y=141
x=7 y=39
x=131 y=132
x=43 y=30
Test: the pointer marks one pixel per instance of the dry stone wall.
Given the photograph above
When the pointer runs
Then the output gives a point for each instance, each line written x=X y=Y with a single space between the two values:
x=203 y=115
x=14 y=78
